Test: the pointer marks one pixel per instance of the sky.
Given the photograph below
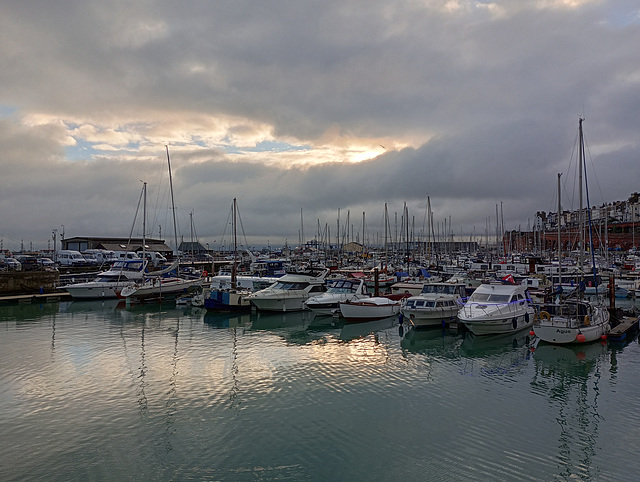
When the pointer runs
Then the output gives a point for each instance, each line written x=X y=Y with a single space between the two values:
x=309 y=114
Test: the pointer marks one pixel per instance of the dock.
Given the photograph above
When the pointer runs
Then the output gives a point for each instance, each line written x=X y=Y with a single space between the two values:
x=627 y=326
x=35 y=298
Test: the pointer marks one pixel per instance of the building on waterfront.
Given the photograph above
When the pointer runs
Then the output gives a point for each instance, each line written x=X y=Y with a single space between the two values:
x=614 y=226
x=117 y=244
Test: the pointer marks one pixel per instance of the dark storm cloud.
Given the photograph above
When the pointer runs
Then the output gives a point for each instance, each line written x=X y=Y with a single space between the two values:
x=486 y=96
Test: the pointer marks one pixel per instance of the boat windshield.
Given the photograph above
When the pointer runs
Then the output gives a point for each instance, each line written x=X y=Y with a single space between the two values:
x=289 y=286
x=127 y=265
x=342 y=286
x=489 y=298
x=439 y=289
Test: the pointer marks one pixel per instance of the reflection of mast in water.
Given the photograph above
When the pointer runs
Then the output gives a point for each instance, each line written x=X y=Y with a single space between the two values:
x=564 y=372
x=233 y=392
x=172 y=399
x=53 y=334
x=142 y=397
x=142 y=369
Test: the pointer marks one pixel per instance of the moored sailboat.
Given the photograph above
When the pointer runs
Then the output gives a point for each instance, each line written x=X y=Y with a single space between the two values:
x=574 y=319
x=232 y=297
x=168 y=283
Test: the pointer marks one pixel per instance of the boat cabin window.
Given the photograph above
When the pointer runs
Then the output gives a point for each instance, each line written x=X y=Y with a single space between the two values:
x=289 y=286
x=441 y=289
x=343 y=286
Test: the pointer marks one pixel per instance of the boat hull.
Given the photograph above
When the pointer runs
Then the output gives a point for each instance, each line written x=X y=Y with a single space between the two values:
x=89 y=291
x=222 y=300
x=283 y=303
x=429 y=317
x=564 y=331
x=497 y=322
x=368 y=310
x=161 y=289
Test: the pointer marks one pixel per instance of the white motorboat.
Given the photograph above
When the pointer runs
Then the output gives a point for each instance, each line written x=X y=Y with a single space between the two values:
x=370 y=309
x=110 y=283
x=290 y=292
x=436 y=305
x=497 y=307
x=328 y=304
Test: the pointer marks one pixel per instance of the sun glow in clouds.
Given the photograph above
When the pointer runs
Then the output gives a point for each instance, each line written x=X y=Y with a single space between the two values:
x=235 y=139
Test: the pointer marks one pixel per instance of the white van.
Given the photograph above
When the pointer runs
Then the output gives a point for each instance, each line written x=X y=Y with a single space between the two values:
x=69 y=257
x=102 y=255
x=122 y=255
x=156 y=259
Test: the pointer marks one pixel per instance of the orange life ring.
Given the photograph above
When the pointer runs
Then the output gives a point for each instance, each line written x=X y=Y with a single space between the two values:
x=544 y=315
x=587 y=320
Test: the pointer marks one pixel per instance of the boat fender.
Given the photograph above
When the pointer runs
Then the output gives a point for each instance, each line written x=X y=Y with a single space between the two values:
x=526 y=317
x=587 y=320
x=544 y=315
x=515 y=322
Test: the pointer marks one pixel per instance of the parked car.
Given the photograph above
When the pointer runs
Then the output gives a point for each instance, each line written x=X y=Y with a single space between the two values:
x=46 y=263
x=28 y=262
x=10 y=264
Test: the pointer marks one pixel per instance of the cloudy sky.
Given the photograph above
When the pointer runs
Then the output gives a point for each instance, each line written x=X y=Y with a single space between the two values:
x=303 y=110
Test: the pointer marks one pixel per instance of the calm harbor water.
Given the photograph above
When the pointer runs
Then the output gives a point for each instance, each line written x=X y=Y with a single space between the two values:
x=101 y=391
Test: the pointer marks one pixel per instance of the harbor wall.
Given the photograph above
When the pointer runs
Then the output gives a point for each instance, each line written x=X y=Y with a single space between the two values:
x=27 y=282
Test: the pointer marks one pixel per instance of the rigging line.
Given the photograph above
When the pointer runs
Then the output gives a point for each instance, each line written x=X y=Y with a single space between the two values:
x=242 y=226
x=224 y=231
x=586 y=188
x=593 y=169
x=160 y=196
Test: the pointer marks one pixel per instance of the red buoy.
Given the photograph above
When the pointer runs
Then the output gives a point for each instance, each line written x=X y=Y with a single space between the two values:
x=603 y=337
x=581 y=338
x=532 y=333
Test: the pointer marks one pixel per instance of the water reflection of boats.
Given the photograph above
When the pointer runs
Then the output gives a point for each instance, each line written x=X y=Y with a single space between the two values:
x=351 y=331
x=568 y=356
x=569 y=377
x=265 y=320
x=226 y=319
x=479 y=346
x=435 y=340
x=100 y=305
x=25 y=313
x=321 y=322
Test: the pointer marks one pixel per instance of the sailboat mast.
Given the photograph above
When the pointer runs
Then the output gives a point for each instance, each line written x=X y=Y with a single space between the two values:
x=173 y=204
x=559 y=232
x=144 y=220
x=581 y=215
x=386 y=220
x=235 y=249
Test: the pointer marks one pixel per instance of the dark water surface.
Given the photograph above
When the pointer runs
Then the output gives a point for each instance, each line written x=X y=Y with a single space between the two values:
x=99 y=391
